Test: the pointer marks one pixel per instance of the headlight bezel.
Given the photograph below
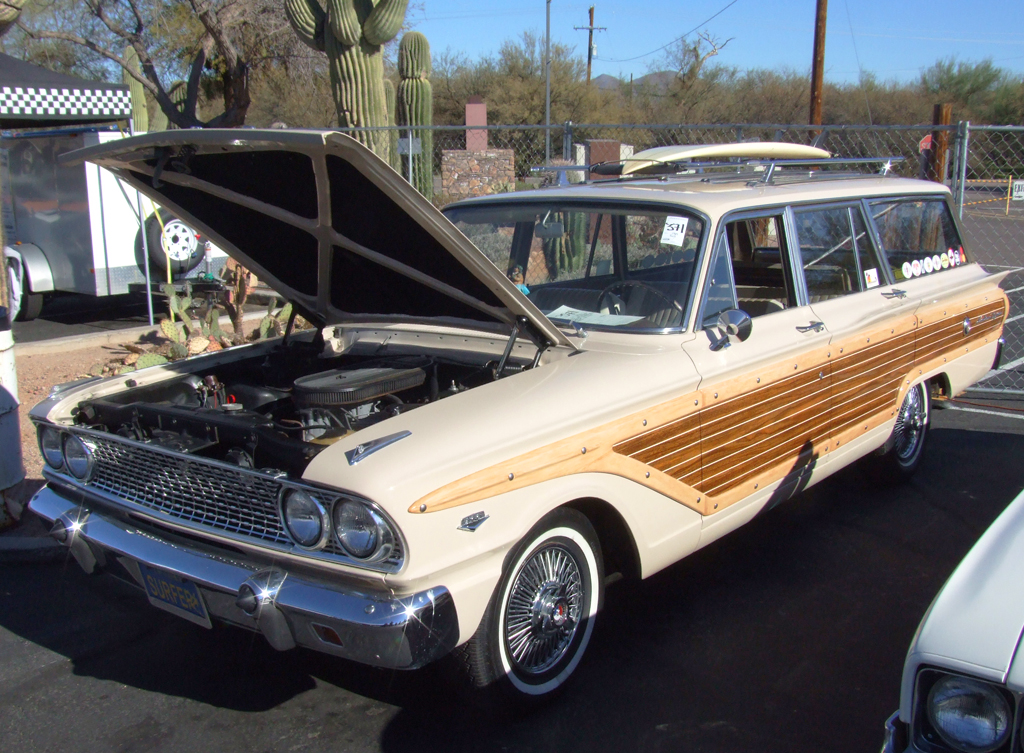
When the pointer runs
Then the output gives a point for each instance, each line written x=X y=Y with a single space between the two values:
x=321 y=510
x=384 y=533
x=49 y=430
x=929 y=734
x=88 y=457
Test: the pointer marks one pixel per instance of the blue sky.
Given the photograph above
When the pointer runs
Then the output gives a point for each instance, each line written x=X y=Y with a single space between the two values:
x=895 y=39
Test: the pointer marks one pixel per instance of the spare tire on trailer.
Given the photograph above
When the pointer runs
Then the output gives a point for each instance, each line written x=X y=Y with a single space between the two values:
x=172 y=242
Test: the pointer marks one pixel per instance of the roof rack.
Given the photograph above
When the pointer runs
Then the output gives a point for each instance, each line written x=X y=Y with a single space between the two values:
x=760 y=170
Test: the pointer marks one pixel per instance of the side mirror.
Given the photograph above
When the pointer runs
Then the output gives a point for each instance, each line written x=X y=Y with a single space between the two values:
x=732 y=325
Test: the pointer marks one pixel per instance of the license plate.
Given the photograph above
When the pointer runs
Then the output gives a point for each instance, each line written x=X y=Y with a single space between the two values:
x=177 y=596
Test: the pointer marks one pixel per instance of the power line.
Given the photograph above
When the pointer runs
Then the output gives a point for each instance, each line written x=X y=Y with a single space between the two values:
x=677 y=39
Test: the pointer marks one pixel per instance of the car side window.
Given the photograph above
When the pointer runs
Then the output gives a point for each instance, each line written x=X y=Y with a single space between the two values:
x=836 y=252
x=750 y=257
x=918 y=237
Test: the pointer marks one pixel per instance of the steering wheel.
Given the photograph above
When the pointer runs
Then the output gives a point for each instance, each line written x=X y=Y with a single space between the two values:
x=616 y=304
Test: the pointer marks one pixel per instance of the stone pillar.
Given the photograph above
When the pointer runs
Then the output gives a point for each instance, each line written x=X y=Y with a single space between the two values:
x=476 y=115
x=602 y=150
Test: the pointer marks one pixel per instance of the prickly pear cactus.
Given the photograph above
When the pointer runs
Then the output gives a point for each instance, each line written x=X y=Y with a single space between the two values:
x=415 y=107
x=170 y=330
x=140 y=113
x=149 y=359
x=352 y=33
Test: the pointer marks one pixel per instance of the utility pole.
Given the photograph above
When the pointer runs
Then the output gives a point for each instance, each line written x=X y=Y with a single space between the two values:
x=818 y=64
x=547 y=88
x=590 y=40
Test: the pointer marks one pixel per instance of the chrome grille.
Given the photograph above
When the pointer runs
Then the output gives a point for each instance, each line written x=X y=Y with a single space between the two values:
x=205 y=493
x=189 y=489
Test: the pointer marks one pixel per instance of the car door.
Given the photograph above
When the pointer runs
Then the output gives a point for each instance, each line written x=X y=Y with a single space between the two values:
x=764 y=414
x=871 y=323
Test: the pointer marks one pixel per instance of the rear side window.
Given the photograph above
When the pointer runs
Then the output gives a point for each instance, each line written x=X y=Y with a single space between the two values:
x=918 y=237
x=836 y=253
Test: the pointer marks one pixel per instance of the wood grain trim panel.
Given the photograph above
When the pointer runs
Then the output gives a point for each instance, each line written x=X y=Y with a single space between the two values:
x=687 y=449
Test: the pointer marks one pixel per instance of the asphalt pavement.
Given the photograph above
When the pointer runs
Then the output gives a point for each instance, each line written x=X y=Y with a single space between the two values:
x=787 y=635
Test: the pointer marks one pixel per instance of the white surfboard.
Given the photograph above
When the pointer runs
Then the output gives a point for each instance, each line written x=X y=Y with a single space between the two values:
x=748 y=149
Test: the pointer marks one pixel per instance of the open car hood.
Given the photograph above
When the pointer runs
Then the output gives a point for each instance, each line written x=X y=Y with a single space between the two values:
x=326 y=223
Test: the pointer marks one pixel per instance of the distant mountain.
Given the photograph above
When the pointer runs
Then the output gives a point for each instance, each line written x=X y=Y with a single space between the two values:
x=658 y=81
x=604 y=81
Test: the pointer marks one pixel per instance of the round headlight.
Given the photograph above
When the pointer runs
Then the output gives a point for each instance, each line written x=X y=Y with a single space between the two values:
x=305 y=518
x=50 y=446
x=78 y=456
x=969 y=715
x=361 y=531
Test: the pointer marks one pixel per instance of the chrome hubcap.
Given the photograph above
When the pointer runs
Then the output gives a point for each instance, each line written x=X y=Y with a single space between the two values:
x=910 y=424
x=544 y=609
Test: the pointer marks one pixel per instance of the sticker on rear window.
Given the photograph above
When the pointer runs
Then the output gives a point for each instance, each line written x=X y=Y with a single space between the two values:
x=871 y=278
x=675 y=230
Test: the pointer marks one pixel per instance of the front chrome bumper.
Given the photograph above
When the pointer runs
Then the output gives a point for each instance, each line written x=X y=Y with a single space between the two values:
x=895 y=740
x=291 y=609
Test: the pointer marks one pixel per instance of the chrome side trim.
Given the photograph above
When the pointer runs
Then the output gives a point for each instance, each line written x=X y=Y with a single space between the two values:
x=374 y=627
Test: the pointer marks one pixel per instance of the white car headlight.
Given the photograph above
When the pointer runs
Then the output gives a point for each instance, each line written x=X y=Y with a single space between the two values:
x=50 y=446
x=361 y=531
x=79 y=458
x=305 y=518
x=969 y=715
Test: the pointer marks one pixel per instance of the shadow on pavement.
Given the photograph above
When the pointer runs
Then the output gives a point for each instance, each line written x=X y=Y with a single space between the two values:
x=787 y=635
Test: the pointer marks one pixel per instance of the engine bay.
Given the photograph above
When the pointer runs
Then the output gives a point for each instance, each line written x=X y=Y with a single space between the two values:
x=275 y=413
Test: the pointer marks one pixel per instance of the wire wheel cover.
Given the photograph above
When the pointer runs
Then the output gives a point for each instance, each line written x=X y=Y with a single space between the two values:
x=544 y=609
x=909 y=429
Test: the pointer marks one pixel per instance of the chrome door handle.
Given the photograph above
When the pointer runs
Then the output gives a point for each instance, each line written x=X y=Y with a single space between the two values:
x=812 y=327
x=894 y=293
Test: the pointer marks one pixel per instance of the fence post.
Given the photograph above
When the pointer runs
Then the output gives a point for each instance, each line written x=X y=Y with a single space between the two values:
x=964 y=135
x=567 y=140
x=942 y=115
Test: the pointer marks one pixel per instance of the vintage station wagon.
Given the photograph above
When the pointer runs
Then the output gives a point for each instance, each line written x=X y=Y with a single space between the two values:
x=504 y=407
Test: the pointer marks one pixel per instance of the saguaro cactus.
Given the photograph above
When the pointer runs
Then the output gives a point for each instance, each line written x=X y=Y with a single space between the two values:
x=140 y=113
x=416 y=106
x=389 y=106
x=352 y=33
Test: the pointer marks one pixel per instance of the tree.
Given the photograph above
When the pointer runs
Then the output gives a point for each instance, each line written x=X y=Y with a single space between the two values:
x=212 y=38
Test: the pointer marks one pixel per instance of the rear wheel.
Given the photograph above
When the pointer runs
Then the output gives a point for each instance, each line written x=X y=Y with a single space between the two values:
x=541 y=616
x=898 y=459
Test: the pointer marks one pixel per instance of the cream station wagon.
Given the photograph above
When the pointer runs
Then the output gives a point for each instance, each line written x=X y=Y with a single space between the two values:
x=504 y=407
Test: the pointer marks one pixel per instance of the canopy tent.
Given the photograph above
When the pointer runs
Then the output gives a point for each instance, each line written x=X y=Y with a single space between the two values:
x=33 y=97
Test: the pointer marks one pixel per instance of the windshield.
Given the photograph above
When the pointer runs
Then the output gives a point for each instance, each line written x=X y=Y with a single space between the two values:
x=596 y=266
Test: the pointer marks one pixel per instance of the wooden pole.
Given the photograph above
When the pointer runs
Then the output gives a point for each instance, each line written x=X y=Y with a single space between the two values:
x=942 y=115
x=590 y=44
x=1009 y=190
x=818 y=63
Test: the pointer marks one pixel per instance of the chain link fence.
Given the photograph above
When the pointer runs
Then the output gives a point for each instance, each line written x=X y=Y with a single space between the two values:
x=983 y=162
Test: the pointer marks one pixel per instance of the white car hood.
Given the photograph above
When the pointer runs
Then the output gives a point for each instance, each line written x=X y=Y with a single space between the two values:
x=975 y=622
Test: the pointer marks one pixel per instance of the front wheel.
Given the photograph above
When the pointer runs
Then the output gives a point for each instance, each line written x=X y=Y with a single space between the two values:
x=898 y=459
x=541 y=616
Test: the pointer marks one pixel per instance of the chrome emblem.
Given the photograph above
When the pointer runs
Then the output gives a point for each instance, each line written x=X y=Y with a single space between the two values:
x=472 y=522
x=967 y=326
x=364 y=450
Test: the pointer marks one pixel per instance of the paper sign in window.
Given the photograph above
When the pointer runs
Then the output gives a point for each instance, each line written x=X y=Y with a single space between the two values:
x=675 y=230
x=871 y=278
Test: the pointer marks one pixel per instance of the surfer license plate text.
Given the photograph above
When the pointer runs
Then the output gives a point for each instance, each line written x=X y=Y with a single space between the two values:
x=175 y=595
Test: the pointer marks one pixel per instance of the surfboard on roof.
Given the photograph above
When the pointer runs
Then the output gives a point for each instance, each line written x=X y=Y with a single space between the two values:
x=659 y=155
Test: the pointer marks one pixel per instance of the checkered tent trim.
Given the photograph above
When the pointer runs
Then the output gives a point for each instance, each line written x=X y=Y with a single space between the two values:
x=57 y=103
